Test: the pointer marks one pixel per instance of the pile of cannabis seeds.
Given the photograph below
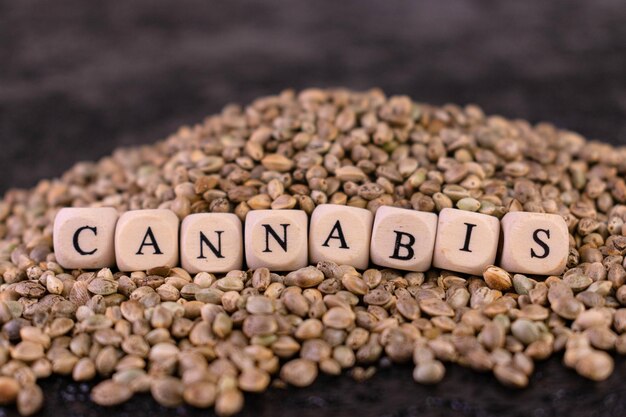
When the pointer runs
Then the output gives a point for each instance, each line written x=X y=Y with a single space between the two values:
x=204 y=340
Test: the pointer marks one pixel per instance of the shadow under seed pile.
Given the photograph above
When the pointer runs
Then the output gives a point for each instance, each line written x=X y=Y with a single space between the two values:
x=204 y=339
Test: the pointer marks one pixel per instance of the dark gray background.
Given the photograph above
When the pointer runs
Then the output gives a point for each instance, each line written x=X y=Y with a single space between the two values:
x=78 y=78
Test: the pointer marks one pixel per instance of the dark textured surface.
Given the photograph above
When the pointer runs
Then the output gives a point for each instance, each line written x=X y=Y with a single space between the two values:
x=78 y=78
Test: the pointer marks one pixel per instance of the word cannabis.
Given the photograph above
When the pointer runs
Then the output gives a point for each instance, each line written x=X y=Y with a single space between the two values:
x=283 y=240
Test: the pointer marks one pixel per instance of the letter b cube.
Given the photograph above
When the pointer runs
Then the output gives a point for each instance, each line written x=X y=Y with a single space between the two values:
x=403 y=239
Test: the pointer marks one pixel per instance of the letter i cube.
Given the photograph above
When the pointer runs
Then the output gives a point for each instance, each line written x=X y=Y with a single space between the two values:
x=466 y=242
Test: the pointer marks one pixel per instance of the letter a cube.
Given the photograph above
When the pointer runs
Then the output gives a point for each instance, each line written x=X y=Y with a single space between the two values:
x=276 y=239
x=341 y=234
x=83 y=237
x=403 y=239
x=145 y=239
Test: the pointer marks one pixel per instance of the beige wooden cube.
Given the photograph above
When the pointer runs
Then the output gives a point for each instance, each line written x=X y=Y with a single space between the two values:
x=466 y=242
x=83 y=237
x=211 y=242
x=276 y=239
x=145 y=239
x=403 y=239
x=340 y=234
x=534 y=243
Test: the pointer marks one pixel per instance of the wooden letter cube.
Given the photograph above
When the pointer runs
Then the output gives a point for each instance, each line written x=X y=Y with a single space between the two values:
x=83 y=237
x=403 y=239
x=340 y=234
x=276 y=239
x=466 y=242
x=211 y=242
x=534 y=243
x=145 y=239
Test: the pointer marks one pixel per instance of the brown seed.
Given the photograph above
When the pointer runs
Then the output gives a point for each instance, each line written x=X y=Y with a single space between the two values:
x=200 y=394
x=316 y=350
x=377 y=297
x=435 y=307
x=102 y=286
x=497 y=278
x=285 y=346
x=167 y=391
x=344 y=356
x=54 y=285
x=408 y=307
x=9 y=389
x=259 y=304
x=109 y=393
x=284 y=202
x=305 y=277
x=354 y=284
x=229 y=402
x=296 y=303
x=222 y=325
x=253 y=380
x=277 y=162
x=27 y=351
x=577 y=281
x=84 y=370
x=350 y=173
x=60 y=326
x=429 y=372
x=338 y=318
x=595 y=365
x=525 y=331
x=309 y=329
x=259 y=325
x=510 y=376
x=299 y=372
x=30 y=400
x=567 y=307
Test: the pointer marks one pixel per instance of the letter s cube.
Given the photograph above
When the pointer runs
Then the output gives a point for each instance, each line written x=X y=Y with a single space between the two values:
x=83 y=237
x=534 y=243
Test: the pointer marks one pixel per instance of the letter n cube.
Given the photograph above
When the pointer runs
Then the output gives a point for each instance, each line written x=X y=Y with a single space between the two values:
x=276 y=239
x=211 y=242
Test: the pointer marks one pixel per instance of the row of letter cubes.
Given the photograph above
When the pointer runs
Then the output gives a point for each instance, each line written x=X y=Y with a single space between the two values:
x=283 y=240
